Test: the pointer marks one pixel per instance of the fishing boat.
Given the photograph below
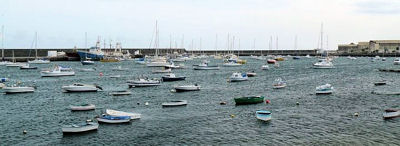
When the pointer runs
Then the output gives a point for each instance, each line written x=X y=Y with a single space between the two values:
x=324 y=89
x=121 y=113
x=249 y=100
x=323 y=64
x=10 y=90
x=185 y=88
x=238 y=77
x=26 y=66
x=143 y=82
x=265 y=67
x=251 y=74
x=82 y=107
x=56 y=72
x=279 y=84
x=171 y=77
x=231 y=64
x=263 y=115
x=120 y=93
x=119 y=68
x=204 y=66
x=391 y=113
x=79 y=87
x=162 y=71
x=94 y=53
x=174 y=103
x=396 y=61
x=114 y=119
x=81 y=127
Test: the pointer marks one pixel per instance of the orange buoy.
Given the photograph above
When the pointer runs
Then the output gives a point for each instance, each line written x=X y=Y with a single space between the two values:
x=267 y=101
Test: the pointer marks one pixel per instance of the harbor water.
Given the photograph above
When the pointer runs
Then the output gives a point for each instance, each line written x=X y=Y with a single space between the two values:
x=315 y=120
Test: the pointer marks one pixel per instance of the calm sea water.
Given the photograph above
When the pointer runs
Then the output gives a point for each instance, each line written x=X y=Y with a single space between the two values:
x=317 y=120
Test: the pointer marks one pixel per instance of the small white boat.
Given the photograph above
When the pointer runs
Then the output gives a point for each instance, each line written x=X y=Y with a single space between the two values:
x=26 y=66
x=56 y=72
x=162 y=71
x=143 y=83
x=279 y=84
x=119 y=68
x=238 y=77
x=157 y=64
x=204 y=66
x=265 y=67
x=263 y=115
x=391 y=113
x=308 y=56
x=383 y=59
x=79 y=87
x=231 y=64
x=174 y=103
x=194 y=87
x=82 y=107
x=10 y=90
x=251 y=74
x=120 y=93
x=114 y=119
x=324 y=89
x=121 y=113
x=77 y=128
x=115 y=76
x=271 y=61
x=396 y=61
x=323 y=64
x=39 y=61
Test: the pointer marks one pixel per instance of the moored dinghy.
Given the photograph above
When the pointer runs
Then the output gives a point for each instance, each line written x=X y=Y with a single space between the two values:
x=82 y=107
x=10 y=90
x=174 y=103
x=121 y=113
x=185 y=88
x=238 y=77
x=251 y=74
x=279 y=84
x=391 y=113
x=143 y=82
x=120 y=93
x=79 y=87
x=114 y=119
x=78 y=128
x=263 y=115
x=249 y=100
x=324 y=89
x=172 y=77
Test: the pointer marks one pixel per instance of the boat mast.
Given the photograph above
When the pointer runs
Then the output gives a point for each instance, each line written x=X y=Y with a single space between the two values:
x=2 y=42
x=36 y=39
x=322 y=38
x=85 y=40
x=239 y=48
x=295 y=45
x=216 y=44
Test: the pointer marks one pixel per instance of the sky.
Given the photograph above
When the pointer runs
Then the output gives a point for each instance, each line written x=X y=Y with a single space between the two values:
x=206 y=23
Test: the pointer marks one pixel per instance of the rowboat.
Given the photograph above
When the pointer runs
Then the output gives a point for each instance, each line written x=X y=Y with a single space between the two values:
x=78 y=128
x=391 y=113
x=114 y=119
x=263 y=115
x=120 y=93
x=249 y=100
x=10 y=90
x=174 y=103
x=187 y=88
x=121 y=113
x=82 y=107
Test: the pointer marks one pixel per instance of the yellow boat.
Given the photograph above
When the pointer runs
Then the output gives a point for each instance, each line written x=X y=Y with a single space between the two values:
x=280 y=59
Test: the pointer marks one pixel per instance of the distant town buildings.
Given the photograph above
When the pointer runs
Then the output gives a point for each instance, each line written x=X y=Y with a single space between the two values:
x=373 y=46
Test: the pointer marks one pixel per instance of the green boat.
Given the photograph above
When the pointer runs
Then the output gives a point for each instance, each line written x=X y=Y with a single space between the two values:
x=249 y=100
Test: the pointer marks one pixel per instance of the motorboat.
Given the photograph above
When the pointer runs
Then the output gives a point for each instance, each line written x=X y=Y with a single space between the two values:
x=26 y=66
x=81 y=127
x=238 y=77
x=174 y=103
x=323 y=64
x=251 y=74
x=324 y=89
x=56 y=72
x=263 y=115
x=39 y=61
x=173 y=66
x=279 y=84
x=143 y=82
x=249 y=100
x=231 y=64
x=121 y=93
x=396 y=61
x=171 y=77
x=391 y=113
x=82 y=107
x=265 y=67
x=114 y=119
x=10 y=90
x=119 y=68
x=168 y=70
x=185 y=88
x=87 y=62
x=204 y=66
x=121 y=113
x=79 y=87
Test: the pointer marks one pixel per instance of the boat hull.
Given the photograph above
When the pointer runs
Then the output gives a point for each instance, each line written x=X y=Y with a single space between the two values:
x=391 y=115
x=113 y=121
x=84 y=54
x=49 y=74
x=13 y=90
x=80 y=89
x=186 y=89
x=170 y=79
x=249 y=100
x=83 y=108
x=91 y=127
x=174 y=103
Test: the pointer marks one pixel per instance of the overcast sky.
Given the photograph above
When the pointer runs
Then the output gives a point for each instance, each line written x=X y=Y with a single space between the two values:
x=63 y=23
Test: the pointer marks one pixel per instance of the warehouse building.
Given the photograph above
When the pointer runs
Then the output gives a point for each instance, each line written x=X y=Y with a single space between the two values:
x=373 y=46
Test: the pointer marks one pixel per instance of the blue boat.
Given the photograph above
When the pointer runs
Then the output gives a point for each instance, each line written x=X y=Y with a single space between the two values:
x=263 y=115
x=3 y=80
x=114 y=119
x=94 y=53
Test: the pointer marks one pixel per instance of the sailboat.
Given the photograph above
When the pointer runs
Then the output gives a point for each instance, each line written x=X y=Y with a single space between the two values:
x=2 y=47
x=324 y=63
x=157 y=61
x=38 y=61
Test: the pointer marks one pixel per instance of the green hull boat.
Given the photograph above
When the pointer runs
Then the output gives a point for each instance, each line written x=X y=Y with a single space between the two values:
x=249 y=100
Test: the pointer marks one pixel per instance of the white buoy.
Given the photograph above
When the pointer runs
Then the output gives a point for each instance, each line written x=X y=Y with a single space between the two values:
x=146 y=103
